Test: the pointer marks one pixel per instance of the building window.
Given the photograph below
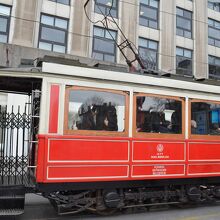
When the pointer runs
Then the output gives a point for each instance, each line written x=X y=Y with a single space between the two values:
x=183 y=23
x=53 y=33
x=148 y=51
x=183 y=61
x=65 y=2
x=107 y=7
x=214 y=6
x=5 y=12
x=214 y=33
x=149 y=13
x=214 y=67
x=104 y=47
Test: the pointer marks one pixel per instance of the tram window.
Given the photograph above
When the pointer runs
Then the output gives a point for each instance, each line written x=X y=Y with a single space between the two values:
x=205 y=118
x=158 y=115
x=96 y=110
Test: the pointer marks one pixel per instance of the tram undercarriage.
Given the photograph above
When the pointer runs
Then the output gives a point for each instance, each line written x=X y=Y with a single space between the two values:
x=109 y=201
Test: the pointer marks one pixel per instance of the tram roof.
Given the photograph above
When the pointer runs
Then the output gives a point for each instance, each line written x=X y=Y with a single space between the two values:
x=172 y=81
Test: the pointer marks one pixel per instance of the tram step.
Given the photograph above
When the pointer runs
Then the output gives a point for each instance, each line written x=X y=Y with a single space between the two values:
x=11 y=212
x=12 y=200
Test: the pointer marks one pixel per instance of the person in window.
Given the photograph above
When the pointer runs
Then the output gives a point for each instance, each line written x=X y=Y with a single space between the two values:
x=215 y=130
x=140 y=121
x=140 y=102
x=100 y=117
x=147 y=125
x=141 y=115
x=155 y=119
x=78 y=124
x=89 y=119
x=110 y=120
x=164 y=125
x=79 y=118
x=176 y=122
x=193 y=127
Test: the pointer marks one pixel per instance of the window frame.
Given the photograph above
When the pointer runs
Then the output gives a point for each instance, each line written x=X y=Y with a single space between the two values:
x=157 y=135
x=105 y=39
x=67 y=131
x=148 y=18
x=150 y=49
x=8 y=17
x=199 y=136
x=217 y=76
x=56 y=1
x=213 y=7
x=182 y=28
x=216 y=29
x=55 y=28
x=107 y=7
x=183 y=69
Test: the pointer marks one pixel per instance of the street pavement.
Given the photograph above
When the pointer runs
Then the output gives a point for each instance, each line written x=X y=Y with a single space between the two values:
x=38 y=208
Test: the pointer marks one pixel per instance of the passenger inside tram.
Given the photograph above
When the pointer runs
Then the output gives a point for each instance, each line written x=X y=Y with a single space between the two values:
x=158 y=115
x=96 y=110
x=215 y=130
x=99 y=117
x=193 y=126
x=207 y=117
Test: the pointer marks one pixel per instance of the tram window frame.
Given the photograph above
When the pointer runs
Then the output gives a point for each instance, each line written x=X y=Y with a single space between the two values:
x=67 y=131
x=200 y=136
x=158 y=135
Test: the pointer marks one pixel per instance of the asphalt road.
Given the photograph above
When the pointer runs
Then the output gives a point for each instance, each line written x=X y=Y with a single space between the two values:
x=38 y=208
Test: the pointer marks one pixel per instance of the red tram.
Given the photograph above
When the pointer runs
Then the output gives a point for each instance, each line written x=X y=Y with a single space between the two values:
x=110 y=140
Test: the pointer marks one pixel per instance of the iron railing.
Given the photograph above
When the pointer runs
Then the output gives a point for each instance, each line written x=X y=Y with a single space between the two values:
x=14 y=141
x=18 y=141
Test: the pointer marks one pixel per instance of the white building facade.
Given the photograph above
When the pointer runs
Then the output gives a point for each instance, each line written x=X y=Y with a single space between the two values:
x=177 y=36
